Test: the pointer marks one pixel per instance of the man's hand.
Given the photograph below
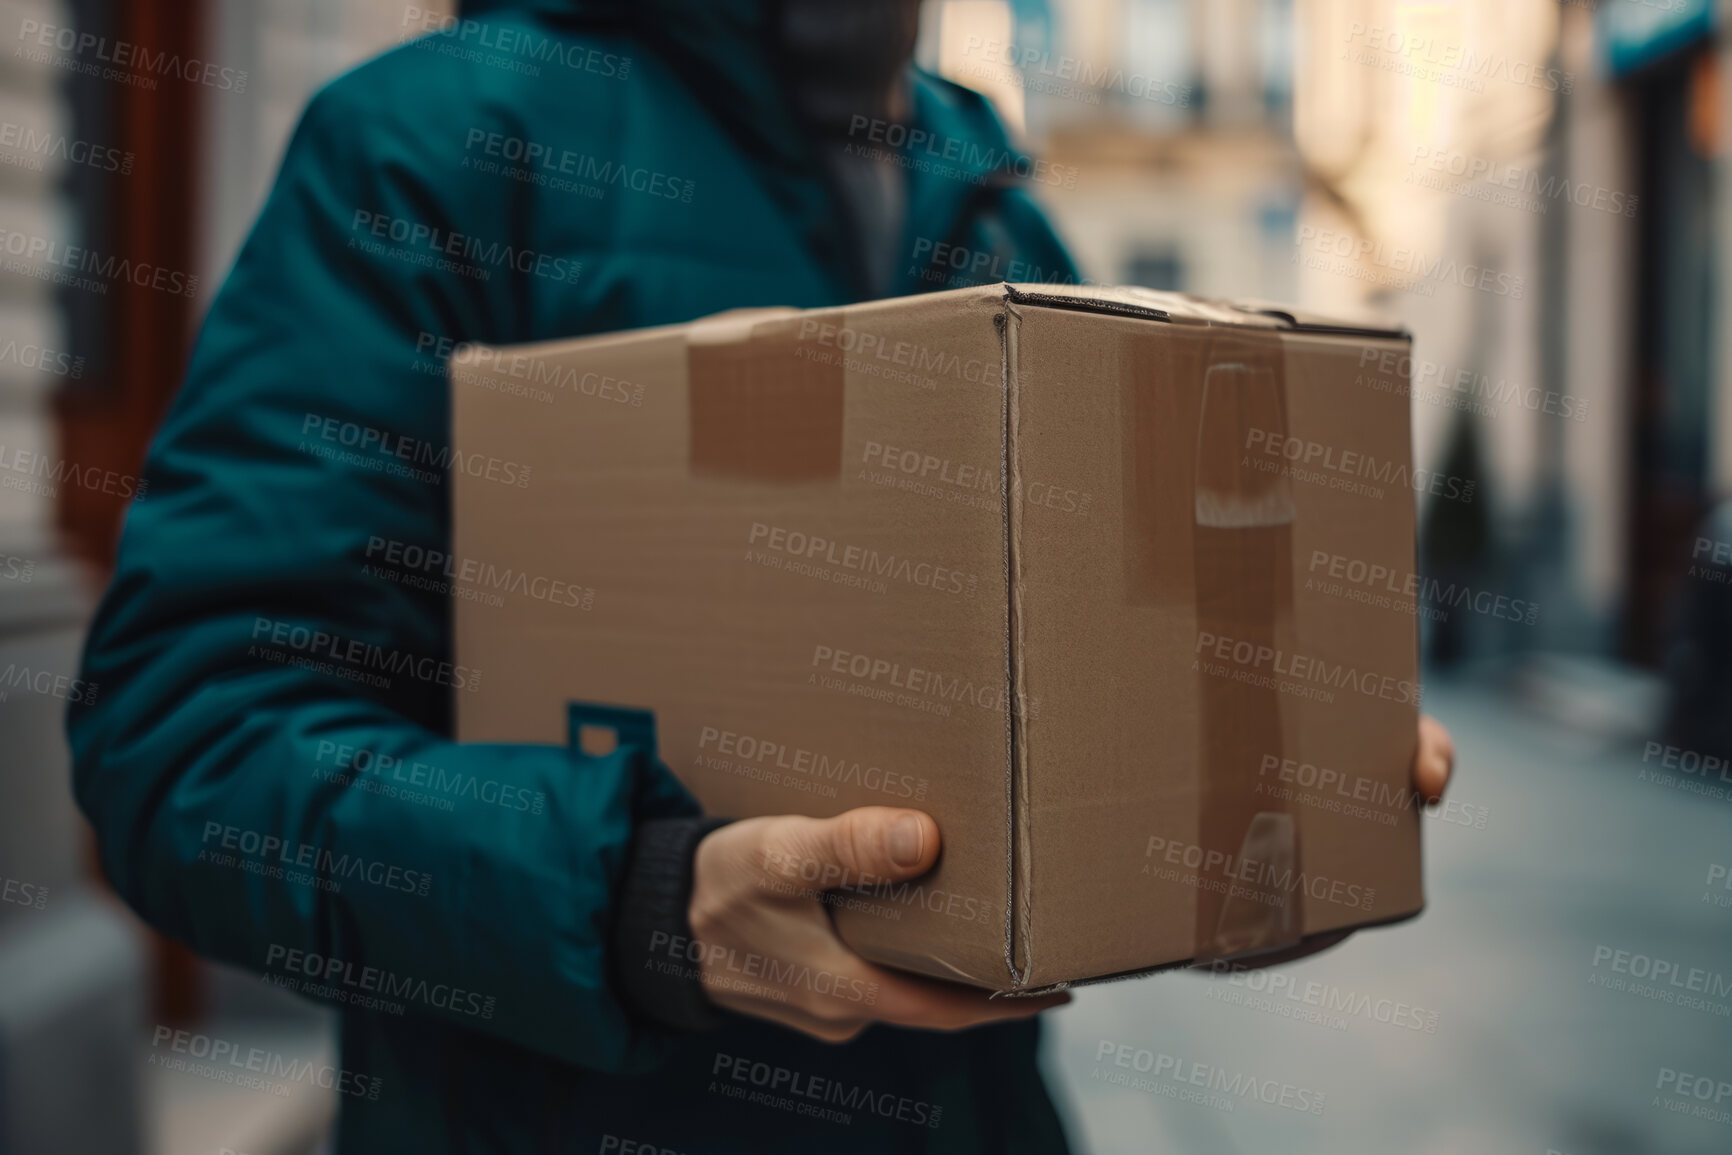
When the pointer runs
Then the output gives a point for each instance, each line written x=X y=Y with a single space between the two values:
x=768 y=947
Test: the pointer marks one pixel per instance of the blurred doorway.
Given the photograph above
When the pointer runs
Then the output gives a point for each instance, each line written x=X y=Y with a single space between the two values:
x=1676 y=112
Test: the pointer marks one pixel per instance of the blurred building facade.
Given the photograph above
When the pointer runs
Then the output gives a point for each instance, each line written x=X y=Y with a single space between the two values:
x=1531 y=186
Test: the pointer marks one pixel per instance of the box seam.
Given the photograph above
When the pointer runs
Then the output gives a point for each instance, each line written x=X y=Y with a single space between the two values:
x=1018 y=944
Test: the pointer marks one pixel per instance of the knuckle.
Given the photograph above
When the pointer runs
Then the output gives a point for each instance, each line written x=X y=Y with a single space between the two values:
x=827 y=1010
x=707 y=915
x=707 y=923
x=713 y=909
x=859 y=840
x=851 y=840
x=839 y=1032
x=784 y=861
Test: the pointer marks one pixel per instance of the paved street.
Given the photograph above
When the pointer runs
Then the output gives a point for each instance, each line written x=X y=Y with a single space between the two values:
x=1511 y=1022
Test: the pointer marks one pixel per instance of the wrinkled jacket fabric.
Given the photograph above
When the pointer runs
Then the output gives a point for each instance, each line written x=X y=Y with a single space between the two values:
x=267 y=760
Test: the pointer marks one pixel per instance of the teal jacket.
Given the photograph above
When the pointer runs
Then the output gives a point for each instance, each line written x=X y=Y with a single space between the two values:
x=267 y=761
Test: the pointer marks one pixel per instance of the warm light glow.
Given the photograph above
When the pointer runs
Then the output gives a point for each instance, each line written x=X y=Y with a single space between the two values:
x=974 y=39
x=1383 y=82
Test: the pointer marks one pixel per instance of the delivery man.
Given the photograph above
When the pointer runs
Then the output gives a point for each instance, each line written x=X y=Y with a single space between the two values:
x=267 y=763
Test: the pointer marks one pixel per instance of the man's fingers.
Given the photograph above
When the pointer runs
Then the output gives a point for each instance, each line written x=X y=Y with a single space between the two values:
x=835 y=986
x=830 y=1030
x=772 y=950
x=915 y=1002
x=838 y=1024
x=868 y=844
x=840 y=986
x=1434 y=760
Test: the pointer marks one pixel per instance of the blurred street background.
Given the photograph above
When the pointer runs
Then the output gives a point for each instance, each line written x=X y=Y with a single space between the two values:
x=1538 y=190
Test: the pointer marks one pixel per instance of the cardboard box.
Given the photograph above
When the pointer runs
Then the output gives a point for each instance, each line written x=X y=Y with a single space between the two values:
x=1115 y=584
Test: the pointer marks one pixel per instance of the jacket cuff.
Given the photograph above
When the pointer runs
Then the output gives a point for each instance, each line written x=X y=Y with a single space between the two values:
x=652 y=933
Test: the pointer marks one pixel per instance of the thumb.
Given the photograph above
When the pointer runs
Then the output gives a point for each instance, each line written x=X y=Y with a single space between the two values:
x=880 y=842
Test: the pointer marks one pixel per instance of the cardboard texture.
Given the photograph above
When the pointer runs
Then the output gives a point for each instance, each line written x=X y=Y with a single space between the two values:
x=1113 y=583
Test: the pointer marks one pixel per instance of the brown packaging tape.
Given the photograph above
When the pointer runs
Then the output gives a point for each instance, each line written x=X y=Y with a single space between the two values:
x=1209 y=536
x=765 y=405
x=1242 y=561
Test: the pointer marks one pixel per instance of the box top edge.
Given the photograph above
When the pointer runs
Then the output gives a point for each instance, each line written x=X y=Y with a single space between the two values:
x=1187 y=308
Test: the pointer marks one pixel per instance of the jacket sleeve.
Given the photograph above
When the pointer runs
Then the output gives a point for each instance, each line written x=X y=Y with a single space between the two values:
x=263 y=748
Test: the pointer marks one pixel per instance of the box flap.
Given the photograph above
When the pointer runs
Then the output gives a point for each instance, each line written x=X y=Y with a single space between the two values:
x=1188 y=309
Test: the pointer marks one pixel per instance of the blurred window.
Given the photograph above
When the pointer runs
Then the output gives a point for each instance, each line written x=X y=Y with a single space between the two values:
x=1156 y=268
